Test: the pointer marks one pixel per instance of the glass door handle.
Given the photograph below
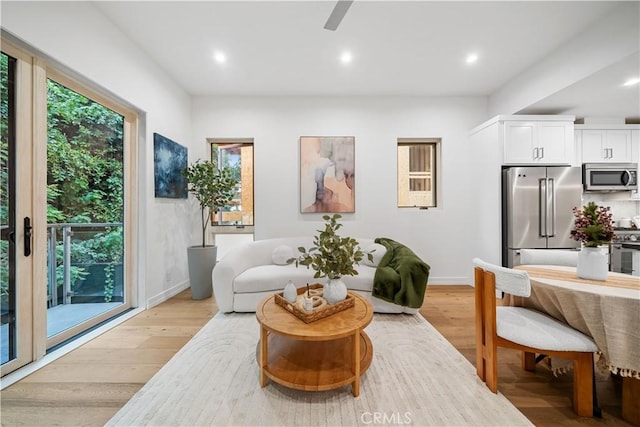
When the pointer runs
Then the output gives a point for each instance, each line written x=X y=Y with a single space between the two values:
x=27 y=236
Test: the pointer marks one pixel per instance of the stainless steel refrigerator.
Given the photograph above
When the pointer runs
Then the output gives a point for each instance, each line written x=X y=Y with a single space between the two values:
x=537 y=209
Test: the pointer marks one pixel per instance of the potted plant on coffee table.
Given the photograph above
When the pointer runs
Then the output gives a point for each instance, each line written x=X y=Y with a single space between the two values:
x=213 y=188
x=332 y=256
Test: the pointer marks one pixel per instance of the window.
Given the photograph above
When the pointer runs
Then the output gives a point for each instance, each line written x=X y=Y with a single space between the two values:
x=89 y=188
x=238 y=155
x=417 y=172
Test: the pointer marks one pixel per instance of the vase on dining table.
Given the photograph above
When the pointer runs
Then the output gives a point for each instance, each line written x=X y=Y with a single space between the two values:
x=592 y=264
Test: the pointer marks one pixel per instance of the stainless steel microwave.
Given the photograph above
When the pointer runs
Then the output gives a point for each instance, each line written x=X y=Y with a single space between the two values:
x=610 y=176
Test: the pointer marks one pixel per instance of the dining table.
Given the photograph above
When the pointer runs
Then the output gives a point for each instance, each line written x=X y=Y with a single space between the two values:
x=608 y=311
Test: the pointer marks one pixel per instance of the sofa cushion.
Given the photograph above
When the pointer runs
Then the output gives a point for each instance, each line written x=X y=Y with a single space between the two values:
x=377 y=251
x=271 y=278
x=281 y=254
x=274 y=278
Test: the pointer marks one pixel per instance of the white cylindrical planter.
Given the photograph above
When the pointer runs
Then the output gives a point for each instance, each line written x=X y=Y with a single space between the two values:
x=592 y=264
x=201 y=262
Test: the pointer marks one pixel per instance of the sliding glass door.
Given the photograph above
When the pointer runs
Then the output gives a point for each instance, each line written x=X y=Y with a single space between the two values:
x=16 y=215
x=8 y=328
x=67 y=211
x=85 y=211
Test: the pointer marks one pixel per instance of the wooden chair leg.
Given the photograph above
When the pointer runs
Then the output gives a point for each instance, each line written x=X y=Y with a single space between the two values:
x=583 y=384
x=491 y=367
x=480 y=365
x=480 y=341
x=528 y=361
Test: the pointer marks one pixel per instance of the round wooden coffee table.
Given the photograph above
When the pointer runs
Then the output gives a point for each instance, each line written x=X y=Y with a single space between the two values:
x=321 y=355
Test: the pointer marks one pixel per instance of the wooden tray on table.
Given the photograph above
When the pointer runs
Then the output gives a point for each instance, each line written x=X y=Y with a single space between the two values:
x=321 y=308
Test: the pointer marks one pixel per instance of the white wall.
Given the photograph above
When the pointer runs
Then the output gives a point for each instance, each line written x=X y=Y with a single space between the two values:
x=486 y=147
x=76 y=35
x=439 y=235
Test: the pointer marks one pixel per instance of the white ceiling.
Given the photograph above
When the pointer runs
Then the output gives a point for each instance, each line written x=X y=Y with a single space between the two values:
x=601 y=95
x=398 y=48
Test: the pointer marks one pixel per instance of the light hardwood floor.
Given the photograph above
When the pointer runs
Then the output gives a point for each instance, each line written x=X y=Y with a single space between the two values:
x=90 y=384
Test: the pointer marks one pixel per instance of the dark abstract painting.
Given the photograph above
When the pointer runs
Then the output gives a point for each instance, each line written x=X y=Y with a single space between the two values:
x=169 y=160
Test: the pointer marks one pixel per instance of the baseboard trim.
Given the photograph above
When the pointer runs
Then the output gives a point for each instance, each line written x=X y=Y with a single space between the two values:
x=449 y=280
x=165 y=295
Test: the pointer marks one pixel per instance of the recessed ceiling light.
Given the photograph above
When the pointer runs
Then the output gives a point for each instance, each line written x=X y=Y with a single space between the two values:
x=220 y=57
x=346 y=57
x=632 y=82
x=472 y=58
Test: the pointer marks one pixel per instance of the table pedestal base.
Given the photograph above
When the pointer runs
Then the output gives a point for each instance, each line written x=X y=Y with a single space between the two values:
x=630 y=399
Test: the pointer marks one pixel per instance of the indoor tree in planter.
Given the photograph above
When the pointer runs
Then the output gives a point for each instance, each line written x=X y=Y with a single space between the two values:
x=213 y=188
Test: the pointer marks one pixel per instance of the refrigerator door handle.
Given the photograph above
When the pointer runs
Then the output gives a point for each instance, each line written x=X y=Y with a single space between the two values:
x=542 y=207
x=552 y=213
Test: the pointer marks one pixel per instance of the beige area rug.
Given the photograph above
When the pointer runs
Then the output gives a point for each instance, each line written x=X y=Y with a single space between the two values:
x=416 y=378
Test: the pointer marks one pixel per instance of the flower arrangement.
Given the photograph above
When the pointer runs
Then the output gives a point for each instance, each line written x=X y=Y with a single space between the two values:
x=593 y=225
x=331 y=256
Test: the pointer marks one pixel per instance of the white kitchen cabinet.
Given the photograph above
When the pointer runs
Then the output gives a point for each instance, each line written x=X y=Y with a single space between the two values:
x=538 y=142
x=606 y=145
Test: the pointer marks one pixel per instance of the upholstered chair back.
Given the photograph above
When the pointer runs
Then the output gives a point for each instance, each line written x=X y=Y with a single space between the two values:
x=511 y=281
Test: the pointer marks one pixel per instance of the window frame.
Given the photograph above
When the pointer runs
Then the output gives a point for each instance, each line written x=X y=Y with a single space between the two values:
x=232 y=228
x=130 y=217
x=435 y=172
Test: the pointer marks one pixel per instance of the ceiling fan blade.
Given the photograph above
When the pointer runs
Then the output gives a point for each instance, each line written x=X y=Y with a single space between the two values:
x=340 y=9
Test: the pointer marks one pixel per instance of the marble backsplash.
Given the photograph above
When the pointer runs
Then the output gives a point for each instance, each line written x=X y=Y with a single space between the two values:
x=621 y=203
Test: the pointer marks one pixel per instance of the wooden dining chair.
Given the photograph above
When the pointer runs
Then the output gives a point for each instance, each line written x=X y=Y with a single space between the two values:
x=526 y=330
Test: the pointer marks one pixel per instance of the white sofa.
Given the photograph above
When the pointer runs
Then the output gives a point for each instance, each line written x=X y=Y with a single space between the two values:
x=248 y=274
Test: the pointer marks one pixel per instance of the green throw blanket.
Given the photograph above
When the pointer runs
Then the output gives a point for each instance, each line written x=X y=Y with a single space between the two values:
x=401 y=276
